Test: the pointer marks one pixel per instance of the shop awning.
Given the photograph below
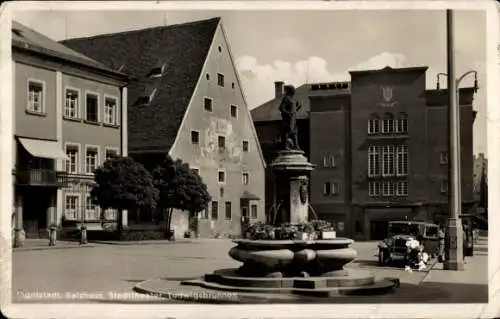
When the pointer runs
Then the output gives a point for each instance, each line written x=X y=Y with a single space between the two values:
x=43 y=148
x=249 y=196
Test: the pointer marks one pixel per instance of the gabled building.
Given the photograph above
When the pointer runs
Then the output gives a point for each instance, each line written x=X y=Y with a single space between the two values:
x=381 y=149
x=185 y=99
x=69 y=113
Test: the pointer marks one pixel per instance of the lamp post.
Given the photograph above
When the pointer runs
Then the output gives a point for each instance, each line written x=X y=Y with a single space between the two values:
x=454 y=240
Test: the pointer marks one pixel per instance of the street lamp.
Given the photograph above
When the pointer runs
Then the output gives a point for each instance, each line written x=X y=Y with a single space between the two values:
x=459 y=80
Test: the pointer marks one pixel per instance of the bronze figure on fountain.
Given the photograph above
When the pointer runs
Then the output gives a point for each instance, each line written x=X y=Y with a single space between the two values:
x=288 y=108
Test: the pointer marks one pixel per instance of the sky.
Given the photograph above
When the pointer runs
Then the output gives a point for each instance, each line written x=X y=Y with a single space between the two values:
x=309 y=46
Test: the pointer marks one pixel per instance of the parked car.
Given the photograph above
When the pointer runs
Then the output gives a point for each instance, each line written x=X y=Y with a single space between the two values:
x=394 y=247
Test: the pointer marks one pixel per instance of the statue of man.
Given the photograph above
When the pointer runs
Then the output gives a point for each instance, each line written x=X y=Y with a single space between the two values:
x=288 y=108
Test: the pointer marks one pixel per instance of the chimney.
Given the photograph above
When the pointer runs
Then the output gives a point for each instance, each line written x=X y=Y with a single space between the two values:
x=278 y=89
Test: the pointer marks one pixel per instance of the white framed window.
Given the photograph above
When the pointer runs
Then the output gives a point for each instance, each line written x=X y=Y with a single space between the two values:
x=91 y=159
x=234 y=111
x=327 y=188
x=110 y=152
x=73 y=153
x=220 y=79
x=244 y=146
x=402 y=188
x=388 y=188
x=71 y=206
x=36 y=96
x=374 y=125
x=387 y=160
x=402 y=160
x=91 y=211
x=254 y=212
x=72 y=103
x=245 y=178
x=388 y=124
x=374 y=188
x=228 y=212
x=215 y=210
x=196 y=170
x=402 y=123
x=110 y=110
x=373 y=161
x=444 y=185
x=335 y=188
x=221 y=141
x=195 y=137
x=443 y=157
x=221 y=176
x=92 y=107
x=207 y=104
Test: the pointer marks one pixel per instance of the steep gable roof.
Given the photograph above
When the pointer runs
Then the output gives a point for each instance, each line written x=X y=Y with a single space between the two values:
x=179 y=50
x=24 y=38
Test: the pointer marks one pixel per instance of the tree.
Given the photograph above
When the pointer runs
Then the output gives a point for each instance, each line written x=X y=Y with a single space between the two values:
x=179 y=188
x=123 y=184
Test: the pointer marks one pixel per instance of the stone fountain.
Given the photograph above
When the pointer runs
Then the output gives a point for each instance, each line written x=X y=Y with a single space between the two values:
x=307 y=266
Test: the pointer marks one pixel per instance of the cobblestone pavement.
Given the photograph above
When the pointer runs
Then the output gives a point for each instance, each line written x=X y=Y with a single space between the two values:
x=109 y=272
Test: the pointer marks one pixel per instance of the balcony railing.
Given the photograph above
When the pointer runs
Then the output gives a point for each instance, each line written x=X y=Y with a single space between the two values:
x=40 y=177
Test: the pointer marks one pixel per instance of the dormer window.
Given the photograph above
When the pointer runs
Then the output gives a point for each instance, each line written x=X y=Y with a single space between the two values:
x=121 y=68
x=157 y=71
x=17 y=32
x=146 y=98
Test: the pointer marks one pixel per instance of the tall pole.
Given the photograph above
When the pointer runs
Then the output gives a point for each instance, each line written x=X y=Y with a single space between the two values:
x=454 y=242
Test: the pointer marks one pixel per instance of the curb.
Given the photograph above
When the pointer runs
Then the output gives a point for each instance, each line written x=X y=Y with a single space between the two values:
x=52 y=247
x=141 y=243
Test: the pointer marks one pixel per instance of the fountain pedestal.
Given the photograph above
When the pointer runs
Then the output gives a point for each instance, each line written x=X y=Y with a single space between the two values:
x=291 y=169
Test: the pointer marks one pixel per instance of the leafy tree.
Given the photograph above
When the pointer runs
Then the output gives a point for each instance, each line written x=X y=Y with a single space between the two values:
x=179 y=188
x=123 y=184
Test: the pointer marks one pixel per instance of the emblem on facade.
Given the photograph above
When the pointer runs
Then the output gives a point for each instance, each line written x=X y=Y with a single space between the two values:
x=303 y=192
x=387 y=96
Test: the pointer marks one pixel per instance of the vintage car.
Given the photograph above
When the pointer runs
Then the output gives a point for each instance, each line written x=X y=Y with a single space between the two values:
x=394 y=247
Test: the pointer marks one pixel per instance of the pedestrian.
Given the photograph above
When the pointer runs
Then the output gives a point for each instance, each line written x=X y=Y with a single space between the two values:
x=441 y=236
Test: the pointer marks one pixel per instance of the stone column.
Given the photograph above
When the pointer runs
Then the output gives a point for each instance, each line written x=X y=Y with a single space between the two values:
x=19 y=235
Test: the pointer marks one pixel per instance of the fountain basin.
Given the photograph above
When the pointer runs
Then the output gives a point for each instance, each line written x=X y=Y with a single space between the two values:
x=289 y=258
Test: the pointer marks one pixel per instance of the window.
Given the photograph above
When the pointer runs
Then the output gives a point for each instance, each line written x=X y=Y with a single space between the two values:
x=72 y=104
x=35 y=97
x=92 y=107
x=220 y=48
x=195 y=137
x=91 y=160
x=253 y=212
x=71 y=203
x=110 y=111
x=373 y=161
x=72 y=161
x=222 y=177
x=325 y=161
x=402 y=160
x=327 y=188
x=374 y=189
x=215 y=210
x=388 y=160
x=207 y=103
x=402 y=124
x=196 y=171
x=332 y=160
x=443 y=157
x=357 y=226
x=388 y=188
x=374 y=125
x=234 y=111
x=221 y=192
x=220 y=79
x=232 y=85
x=228 y=211
x=388 y=124
x=335 y=188
x=208 y=76
x=222 y=143
x=444 y=185
x=245 y=146
x=110 y=153
x=157 y=71
x=246 y=178
x=90 y=210
x=402 y=188
x=204 y=213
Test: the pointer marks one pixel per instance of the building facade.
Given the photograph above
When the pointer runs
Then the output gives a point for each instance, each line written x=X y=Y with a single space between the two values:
x=186 y=101
x=380 y=146
x=68 y=111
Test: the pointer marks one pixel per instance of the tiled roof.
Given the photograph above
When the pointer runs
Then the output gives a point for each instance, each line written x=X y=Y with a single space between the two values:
x=25 y=38
x=183 y=49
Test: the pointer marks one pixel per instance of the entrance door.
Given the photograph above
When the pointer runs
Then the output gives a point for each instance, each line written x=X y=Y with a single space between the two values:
x=35 y=205
x=379 y=229
x=245 y=219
